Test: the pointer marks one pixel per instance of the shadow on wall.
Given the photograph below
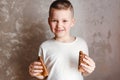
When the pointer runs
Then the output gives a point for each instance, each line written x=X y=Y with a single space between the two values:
x=31 y=37
x=31 y=32
x=22 y=30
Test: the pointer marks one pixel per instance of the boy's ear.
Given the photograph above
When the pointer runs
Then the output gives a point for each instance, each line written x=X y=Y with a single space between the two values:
x=73 y=22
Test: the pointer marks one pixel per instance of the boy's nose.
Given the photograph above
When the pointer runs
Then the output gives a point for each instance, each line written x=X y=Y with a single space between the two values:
x=59 y=24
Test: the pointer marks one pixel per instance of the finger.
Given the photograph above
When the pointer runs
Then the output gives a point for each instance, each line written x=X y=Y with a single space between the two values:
x=37 y=71
x=89 y=61
x=34 y=72
x=87 y=68
x=36 y=63
x=33 y=68
x=32 y=65
x=30 y=68
x=31 y=72
x=38 y=67
x=39 y=77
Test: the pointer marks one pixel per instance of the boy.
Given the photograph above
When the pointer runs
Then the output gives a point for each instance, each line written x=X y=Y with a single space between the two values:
x=61 y=53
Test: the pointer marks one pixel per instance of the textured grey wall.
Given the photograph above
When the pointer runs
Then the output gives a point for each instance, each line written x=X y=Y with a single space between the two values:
x=23 y=26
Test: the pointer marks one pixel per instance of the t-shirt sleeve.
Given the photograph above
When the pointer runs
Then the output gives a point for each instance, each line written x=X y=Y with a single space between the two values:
x=86 y=48
x=40 y=53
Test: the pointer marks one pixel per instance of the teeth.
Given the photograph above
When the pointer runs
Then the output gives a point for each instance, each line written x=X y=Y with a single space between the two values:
x=59 y=30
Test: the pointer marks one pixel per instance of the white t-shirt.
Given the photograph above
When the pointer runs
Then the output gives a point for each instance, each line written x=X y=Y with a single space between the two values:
x=61 y=59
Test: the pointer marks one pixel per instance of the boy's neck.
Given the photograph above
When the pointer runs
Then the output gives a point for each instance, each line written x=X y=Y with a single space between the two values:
x=65 y=39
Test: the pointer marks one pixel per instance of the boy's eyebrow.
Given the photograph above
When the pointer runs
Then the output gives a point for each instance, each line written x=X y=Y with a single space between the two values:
x=56 y=19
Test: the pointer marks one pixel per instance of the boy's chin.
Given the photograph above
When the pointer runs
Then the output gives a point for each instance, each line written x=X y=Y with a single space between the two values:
x=59 y=36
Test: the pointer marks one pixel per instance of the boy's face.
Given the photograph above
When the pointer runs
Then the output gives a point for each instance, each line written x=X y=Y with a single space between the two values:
x=60 y=22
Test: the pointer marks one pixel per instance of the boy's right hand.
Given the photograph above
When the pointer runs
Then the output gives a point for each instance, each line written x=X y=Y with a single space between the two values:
x=35 y=69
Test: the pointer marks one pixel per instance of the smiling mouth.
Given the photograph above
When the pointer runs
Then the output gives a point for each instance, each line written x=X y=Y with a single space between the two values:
x=59 y=30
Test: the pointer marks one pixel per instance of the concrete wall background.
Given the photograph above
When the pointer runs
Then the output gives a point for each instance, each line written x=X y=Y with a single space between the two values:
x=23 y=26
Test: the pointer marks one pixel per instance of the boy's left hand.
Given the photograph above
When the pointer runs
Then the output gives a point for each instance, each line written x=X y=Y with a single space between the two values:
x=89 y=67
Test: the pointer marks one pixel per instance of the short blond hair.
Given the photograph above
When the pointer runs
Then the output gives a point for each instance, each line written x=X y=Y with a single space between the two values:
x=61 y=5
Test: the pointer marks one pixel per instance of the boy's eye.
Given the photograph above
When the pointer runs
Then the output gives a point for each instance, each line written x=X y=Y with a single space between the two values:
x=54 y=20
x=64 y=20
